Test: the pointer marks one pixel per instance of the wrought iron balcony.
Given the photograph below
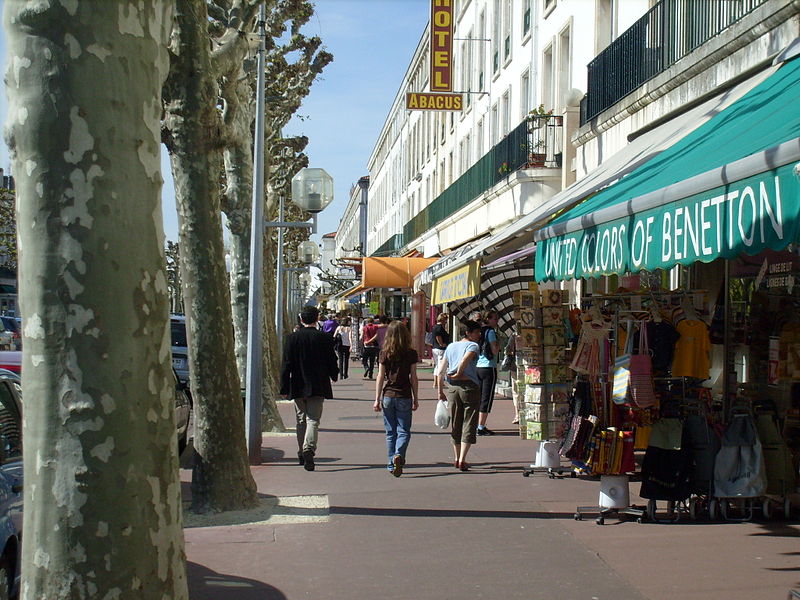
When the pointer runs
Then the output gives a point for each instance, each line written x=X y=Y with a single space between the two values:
x=534 y=143
x=666 y=33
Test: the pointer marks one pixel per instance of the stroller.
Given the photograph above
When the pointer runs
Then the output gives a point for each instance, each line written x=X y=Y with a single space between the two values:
x=739 y=473
x=702 y=444
x=777 y=462
x=665 y=468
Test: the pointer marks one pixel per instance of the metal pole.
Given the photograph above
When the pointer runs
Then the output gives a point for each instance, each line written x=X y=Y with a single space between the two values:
x=253 y=385
x=279 y=283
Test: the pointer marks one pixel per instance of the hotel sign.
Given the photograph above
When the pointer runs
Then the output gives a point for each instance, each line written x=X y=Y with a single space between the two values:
x=419 y=101
x=441 y=46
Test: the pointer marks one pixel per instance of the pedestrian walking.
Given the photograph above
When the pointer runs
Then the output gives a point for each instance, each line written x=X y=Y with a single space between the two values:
x=370 y=338
x=441 y=338
x=396 y=392
x=309 y=366
x=459 y=386
x=487 y=368
x=330 y=324
x=344 y=336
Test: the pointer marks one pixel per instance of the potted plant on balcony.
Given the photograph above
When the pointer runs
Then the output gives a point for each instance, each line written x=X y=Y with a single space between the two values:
x=537 y=153
x=538 y=117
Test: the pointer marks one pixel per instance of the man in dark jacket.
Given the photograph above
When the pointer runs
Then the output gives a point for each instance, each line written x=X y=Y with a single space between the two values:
x=309 y=366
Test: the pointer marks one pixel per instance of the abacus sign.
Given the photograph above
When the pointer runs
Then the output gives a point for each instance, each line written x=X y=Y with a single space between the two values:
x=744 y=217
x=441 y=46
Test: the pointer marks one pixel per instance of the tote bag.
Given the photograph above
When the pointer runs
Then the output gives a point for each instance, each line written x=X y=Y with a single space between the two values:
x=641 y=374
x=622 y=371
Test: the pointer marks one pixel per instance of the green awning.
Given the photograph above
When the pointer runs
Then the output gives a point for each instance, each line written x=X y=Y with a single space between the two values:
x=725 y=189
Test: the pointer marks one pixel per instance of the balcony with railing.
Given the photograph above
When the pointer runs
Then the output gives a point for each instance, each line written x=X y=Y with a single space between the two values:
x=534 y=143
x=668 y=32
x=390 y=246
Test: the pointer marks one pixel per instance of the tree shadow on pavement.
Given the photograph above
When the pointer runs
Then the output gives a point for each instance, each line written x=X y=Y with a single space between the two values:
x=206 y=584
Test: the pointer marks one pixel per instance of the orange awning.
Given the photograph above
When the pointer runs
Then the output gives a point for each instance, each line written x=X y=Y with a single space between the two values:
x=392 y=271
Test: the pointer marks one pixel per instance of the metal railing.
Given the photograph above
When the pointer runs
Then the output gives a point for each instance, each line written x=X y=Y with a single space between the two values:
x=665 y=34
x=390 y=246
x=513 y=152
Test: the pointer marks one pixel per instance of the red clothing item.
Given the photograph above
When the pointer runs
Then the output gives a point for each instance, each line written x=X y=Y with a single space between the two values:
x=370 y=331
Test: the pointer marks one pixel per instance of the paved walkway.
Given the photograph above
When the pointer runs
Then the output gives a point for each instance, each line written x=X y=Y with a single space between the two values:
x=351 y=531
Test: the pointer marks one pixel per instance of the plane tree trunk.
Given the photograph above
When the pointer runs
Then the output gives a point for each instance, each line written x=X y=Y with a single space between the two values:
x=102 y=494
x=221 y=478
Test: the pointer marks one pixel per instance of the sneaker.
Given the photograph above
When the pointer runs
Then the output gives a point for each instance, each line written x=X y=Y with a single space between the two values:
x=397 y=465
x=485 y=431
x=301 y=460
x=308 y=460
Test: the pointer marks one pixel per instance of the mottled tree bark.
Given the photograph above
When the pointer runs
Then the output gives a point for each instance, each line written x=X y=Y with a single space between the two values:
x=221 y=478
x=102 y=495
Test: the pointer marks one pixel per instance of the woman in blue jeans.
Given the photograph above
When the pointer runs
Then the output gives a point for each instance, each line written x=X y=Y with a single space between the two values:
x=396 y=392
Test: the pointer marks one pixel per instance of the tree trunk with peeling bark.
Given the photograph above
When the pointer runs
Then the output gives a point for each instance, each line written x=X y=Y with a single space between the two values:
x=102 y=494
x=221 y=478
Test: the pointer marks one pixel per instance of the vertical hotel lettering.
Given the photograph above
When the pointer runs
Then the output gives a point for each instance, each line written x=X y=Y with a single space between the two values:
x=441 y=46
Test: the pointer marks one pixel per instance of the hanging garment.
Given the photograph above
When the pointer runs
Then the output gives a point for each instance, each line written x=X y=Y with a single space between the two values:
x=662 y=338
x=588 y=359
x=692 y=350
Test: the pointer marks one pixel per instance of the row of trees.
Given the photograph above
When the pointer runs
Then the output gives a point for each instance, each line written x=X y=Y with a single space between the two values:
x=94 y=88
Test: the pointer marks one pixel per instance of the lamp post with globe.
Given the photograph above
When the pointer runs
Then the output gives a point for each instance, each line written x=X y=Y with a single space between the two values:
x=312 y=190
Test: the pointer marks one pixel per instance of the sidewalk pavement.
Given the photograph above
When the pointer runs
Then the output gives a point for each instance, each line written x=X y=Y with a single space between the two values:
x=351 y=531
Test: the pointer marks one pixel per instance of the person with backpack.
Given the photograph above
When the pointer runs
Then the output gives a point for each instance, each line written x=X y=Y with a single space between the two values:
x=440 y=338
x=487 y=368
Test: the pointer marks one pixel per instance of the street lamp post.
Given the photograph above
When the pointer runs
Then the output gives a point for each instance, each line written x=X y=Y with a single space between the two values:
x=312 y=190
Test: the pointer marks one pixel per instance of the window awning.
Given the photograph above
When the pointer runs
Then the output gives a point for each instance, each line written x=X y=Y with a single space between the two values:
x=387 y=272
x=727 y=188
x=620 y=165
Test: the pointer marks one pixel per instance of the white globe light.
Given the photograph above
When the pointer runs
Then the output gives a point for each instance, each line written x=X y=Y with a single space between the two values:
x=307 y=252
x=312 y=189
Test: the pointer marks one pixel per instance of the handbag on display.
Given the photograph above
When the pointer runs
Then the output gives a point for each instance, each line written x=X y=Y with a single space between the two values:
x=641 y=374
x=622 y=371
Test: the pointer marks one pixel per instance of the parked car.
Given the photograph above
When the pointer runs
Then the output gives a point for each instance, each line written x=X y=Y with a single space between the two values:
x=6 y=335
x=183 y=409
x=180 y=351
x=13 y=325
x=10 y=483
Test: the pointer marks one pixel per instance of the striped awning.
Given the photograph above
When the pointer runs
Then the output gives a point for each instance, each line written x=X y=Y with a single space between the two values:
x=497 y=293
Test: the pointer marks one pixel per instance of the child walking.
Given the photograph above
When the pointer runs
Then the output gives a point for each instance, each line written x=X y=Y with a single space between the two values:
x=396 y=392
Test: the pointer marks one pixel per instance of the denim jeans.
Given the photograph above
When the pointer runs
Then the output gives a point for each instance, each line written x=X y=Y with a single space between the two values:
x=397 y=422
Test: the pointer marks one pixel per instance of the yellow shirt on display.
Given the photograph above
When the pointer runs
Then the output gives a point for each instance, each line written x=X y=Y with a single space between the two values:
x=692 y=350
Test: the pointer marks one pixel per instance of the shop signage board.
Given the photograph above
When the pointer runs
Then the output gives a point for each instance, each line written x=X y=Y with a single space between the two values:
x=745 y=217
x=441 y=46
x=423 y=101
x=461 y=283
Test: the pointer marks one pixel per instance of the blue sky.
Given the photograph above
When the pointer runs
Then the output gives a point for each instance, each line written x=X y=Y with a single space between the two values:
x=372 y=42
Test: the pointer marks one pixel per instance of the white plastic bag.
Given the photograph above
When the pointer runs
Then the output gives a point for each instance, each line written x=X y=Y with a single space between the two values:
x=442 y=416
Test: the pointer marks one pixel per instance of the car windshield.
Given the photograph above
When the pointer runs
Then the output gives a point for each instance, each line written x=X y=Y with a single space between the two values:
x=178 y=331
